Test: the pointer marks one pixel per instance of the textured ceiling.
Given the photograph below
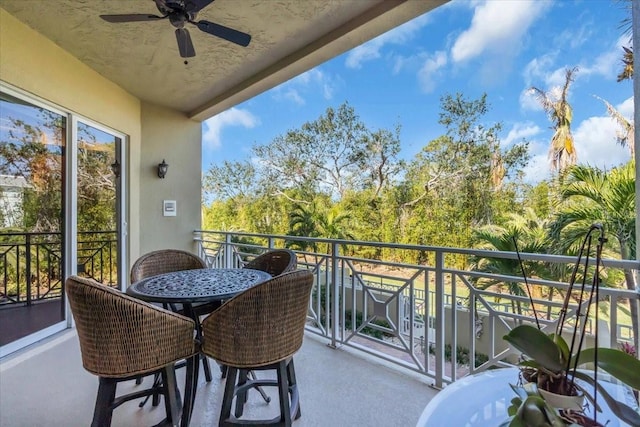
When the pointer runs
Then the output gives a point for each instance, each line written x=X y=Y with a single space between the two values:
x=288 y=38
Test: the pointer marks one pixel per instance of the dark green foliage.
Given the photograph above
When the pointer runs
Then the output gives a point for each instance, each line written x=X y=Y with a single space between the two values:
x=462 y=355
x=376 y=333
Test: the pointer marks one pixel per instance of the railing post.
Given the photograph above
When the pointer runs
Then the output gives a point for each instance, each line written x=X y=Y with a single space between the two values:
x=28 y=267
x=335 y=294
x=271 y=242
x=228 y=253
x=438 y=326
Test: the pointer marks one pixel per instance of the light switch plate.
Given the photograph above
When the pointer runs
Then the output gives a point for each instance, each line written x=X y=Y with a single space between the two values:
x=169 y=208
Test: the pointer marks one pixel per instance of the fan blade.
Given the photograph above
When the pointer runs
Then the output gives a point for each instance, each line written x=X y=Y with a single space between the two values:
x=134 y=17
x=196 y=5
x=184 y=43
x=234 y=36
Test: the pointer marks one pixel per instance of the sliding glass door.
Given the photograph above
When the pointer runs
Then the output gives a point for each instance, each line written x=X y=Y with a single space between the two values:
x=60 y=213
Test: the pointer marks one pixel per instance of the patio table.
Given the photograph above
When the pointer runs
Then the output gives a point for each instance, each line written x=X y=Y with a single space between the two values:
x=189 y=287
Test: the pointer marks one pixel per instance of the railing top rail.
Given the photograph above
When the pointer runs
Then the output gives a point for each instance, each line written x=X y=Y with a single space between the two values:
x=562 y=259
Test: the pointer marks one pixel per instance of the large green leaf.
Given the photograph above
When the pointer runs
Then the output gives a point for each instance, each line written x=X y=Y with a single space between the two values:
x=621 y=365
x=562 y=345
x=536 y=345
x=621 y=410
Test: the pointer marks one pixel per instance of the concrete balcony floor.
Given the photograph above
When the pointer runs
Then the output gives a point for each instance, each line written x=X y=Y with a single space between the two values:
x=46 y=385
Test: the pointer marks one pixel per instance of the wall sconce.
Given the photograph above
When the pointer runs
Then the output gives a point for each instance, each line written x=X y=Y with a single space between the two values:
x=162 y=169
x=115 y=168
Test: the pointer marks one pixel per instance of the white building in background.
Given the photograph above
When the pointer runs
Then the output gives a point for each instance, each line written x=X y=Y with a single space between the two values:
x=12 y=200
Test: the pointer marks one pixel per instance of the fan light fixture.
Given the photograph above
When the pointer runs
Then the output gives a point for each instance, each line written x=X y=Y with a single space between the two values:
x=179 y=13
x=162 y=169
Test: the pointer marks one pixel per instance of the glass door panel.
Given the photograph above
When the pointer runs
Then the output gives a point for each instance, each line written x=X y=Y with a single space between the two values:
x=32 y=147
x=98 y=173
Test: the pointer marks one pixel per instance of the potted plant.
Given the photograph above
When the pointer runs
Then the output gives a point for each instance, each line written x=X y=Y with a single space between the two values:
x=546 y=363
x=550 y=365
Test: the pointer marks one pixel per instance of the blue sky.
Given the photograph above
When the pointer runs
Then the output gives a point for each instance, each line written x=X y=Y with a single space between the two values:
x=501 y=47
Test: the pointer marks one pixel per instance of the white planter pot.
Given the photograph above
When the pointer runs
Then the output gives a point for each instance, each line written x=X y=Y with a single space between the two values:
x=561 y=401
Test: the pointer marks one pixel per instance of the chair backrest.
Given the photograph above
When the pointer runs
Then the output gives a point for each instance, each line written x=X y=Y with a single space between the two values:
x=262 y=325
x=121 y=336
x=164 y=261
x=275 y=262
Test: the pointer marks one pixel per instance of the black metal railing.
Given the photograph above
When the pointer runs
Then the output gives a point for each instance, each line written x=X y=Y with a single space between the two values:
x=32 y=267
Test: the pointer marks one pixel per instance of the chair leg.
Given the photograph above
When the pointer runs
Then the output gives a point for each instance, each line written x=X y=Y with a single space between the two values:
x=171 y=398
x=157 y=384
x=241 y=396
x=223 y=371
x=229 y=392
x=207 y=369
x=191 y=384
x=283 y=394
x=293 y=390
x=103 y=410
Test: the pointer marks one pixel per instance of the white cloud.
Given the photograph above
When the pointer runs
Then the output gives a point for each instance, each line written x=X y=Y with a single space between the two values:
x=497 y=27
x=538 y=68
x=537 y=169
x=574 y=38
x=211 y=137
x=595 y=141
x=528 y=101
x=607 y=63
x=626 y=108
x=294 y=96
x=520 y=131
x=307 y=77
x=398 y=36
x=431 y=70
x=298 y=87
x=543 y=69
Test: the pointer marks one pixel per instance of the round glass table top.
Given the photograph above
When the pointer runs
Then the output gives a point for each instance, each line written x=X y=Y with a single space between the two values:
x=199 y=285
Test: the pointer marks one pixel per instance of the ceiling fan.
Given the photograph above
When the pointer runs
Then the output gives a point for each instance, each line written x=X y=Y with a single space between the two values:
x=180 y=12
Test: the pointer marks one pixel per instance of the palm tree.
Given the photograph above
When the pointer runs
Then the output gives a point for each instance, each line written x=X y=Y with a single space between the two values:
x=626 y=135
x=590 y=196
x=562 y=151
x=627 y=64
x=303 y=220
x=316 y=221
x=529 y=233
x=627 y=52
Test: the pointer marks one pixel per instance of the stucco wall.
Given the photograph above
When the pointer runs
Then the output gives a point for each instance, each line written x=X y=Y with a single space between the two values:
x=170 y=136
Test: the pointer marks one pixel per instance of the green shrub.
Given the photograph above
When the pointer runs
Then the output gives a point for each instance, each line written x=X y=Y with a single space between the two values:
x=462 y=355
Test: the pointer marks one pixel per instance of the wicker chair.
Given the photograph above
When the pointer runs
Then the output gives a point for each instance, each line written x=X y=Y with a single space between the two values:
x=274 y=262
x=122 y=338
x=167 y=261
x=260 y=329
x=164 y=261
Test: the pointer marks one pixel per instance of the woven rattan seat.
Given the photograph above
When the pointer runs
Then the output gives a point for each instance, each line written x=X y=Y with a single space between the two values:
x=261 y=328
x=122 y=338
x=274 y=262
